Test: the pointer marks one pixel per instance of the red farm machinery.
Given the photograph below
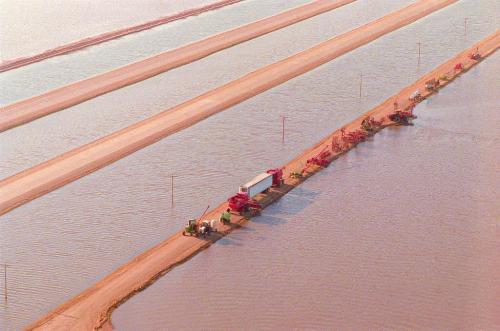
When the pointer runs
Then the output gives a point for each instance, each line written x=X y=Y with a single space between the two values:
x=243 y=201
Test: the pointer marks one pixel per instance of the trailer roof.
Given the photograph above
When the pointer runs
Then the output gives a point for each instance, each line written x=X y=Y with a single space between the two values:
x=258 y=179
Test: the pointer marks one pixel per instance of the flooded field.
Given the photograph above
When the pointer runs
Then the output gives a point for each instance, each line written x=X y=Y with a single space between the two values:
x=103 y=115
x=21 y=22
x=61 y=70
x=400 y=233
x=58 y=245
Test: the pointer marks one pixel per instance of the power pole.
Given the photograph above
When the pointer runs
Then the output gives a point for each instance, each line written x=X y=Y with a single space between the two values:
x=419 y=53
x=282 y=129
x=172 y=191
x=5 y=280
x=360 y=85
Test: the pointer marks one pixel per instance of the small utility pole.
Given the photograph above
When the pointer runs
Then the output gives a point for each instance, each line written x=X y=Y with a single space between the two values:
x=282 y=129
x=419 y=53
x=5 y=280
x=360 y=84
x=172 y=191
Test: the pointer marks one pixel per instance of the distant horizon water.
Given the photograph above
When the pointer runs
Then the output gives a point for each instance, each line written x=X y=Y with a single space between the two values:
x=20 y=21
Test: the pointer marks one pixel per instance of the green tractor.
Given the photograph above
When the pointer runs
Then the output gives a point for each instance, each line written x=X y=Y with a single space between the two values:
x=191 y=228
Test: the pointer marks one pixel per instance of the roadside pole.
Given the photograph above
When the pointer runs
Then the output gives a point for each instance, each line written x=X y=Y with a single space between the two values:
x=360 y=85
x=172 y=191
x=5 y=281
x=282 y=129
x=419 y=53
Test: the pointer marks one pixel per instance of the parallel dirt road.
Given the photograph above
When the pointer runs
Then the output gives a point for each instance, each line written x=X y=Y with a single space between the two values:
x=92 y=308
x=71 y=47
x=30 y=109
x=48 y=176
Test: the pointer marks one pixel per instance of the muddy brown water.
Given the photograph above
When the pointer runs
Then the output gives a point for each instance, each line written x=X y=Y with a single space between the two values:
x=58 y=245
x=400 y=233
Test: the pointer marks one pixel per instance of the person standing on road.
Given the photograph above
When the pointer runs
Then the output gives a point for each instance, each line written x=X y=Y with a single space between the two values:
x=225 y=217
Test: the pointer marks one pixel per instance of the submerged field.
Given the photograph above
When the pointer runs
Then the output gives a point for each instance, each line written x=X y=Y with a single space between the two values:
x=412 y=212
x=403 y=229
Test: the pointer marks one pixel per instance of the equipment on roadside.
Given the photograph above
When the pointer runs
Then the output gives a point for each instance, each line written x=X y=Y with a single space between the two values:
x=242 y=203
x=277 y=174
x=317 y=160
x=207 y=227
x=338 y=145
x=322 y=159
x=416 y=96
x=204 y=229
x=402 y=117
x=191 y=228
x=353 y=137
x=459 y=66
x=475 y=56
x=370 y=125
x=257 y=185
x=295 y=175
x=225 y=217
x=432 y=84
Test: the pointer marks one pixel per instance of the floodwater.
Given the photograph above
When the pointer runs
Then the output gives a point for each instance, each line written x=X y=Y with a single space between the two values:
x=53 y=135
x=52 y=73
x=59 y=244
x=401 y=233
x=34 y=26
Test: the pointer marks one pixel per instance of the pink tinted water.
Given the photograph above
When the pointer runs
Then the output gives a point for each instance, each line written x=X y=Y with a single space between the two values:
x=31 y=27
x=39 y=77
x=62 y=243
x=400 y=233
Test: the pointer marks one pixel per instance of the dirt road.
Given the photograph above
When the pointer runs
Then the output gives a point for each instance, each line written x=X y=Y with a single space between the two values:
x=30 y=109
x=71 y=47
x=92 y=308
x=48 y=176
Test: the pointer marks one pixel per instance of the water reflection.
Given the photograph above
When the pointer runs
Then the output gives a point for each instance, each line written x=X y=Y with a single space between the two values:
x=400 y=234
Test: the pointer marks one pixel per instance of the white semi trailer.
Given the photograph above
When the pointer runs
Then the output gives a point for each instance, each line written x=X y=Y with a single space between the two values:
x=257 y=185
